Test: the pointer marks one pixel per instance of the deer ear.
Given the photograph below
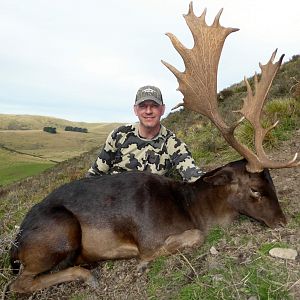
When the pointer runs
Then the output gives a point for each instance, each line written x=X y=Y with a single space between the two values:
x=221 y=177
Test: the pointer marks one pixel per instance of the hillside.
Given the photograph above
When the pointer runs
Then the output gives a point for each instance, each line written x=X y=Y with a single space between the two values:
x=240 y=268
x=283 y=104
x=286 y=84
x=233 y=263
x=30 y=122
x=52 y=147
x=26 y=150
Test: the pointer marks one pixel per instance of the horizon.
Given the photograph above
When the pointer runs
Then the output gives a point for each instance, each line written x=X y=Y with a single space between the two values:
x=71 y=60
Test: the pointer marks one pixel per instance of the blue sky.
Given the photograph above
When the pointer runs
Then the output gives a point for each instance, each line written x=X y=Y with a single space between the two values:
x=84 y=60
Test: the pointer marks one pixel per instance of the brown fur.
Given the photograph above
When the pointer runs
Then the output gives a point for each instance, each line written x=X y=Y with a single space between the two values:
x=133 y=214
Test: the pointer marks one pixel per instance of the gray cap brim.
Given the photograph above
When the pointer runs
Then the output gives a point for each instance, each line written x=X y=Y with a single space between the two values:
x=149 y=97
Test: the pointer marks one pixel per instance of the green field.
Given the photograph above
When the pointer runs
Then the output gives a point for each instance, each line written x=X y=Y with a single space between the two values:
x=27 y=152
x=14 y=167
x=21 y=171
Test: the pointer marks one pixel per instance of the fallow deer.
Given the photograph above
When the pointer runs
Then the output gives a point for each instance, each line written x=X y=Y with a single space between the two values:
x=144 y=215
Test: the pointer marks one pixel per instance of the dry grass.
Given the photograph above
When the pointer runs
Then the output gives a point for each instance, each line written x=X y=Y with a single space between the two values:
x=242 y=267
x=24 y=153
x=30 y=122
x=57 y=147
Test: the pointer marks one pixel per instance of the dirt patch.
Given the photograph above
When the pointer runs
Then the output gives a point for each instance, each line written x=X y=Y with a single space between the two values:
x=287 y=181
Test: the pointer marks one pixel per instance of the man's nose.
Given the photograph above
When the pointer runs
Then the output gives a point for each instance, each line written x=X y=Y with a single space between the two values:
x=148 y=109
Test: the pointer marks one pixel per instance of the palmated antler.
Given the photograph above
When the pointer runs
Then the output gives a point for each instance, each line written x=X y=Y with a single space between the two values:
x=198 y=84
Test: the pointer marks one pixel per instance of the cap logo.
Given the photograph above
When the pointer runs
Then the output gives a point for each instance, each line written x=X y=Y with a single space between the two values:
x=149 y=91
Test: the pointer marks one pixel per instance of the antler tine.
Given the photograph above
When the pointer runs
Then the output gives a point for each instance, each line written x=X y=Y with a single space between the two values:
x=203 y=15
x=252 y=110
x=216 y=22
x=180 y=48
x=191 y=9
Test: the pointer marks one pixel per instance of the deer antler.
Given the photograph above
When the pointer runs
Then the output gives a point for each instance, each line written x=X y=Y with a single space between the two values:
x=198 y=84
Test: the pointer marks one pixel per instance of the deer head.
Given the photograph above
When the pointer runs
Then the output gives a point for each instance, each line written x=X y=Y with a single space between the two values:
x=198 y=84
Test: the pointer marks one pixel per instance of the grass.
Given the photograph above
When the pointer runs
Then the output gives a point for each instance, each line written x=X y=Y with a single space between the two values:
x=14 y=167
x=23 y=133
x=57 y=147
x=231 y=274
x=215 y=235
x=297 y=218
x=30 y=122
x=157 y=281
x=286 y=111
x=265 y=248
x=25 y=153
x=22 y=170
x=208 y=146
x=240 y=269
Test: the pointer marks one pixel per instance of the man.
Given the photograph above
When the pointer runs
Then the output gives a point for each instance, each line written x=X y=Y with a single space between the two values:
x=147 y=145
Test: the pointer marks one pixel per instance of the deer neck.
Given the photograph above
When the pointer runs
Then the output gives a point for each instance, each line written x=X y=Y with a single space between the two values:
x=210 y=206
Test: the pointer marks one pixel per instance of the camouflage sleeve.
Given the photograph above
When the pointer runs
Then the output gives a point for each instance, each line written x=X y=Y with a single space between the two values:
x=105 y=158
x=182 y=159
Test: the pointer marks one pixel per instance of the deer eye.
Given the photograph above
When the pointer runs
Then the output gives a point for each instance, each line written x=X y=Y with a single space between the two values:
x=255 y=194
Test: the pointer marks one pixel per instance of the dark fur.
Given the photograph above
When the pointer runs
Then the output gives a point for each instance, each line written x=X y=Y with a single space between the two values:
x=140 y=209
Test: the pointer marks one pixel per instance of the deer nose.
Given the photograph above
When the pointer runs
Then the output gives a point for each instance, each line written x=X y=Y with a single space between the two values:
x=281 y=221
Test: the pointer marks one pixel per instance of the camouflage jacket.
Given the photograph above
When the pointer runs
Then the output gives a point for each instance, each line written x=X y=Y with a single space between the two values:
x=125 y=150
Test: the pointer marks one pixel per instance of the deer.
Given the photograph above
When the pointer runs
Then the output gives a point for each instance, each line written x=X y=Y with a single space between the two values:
x=142 y=215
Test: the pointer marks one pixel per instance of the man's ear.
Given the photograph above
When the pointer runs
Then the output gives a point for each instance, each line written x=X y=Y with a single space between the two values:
x=163 y=109
x=221 y=177
x=134 y=108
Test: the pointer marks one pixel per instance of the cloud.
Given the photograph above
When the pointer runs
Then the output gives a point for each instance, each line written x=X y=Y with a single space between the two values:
x=84 y=60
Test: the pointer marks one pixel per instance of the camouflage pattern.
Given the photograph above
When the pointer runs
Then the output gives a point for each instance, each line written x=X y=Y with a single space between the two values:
x=125 y=150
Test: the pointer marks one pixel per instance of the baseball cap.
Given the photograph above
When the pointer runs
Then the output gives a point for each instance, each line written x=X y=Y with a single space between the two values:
x=149 y=92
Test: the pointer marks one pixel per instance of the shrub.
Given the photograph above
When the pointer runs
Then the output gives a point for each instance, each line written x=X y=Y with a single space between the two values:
x=77 y=129
x=225 y=94
x=49 y=129
x=286 y=111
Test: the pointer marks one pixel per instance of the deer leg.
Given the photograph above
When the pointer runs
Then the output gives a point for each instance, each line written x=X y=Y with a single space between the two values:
x=176 y=242
x=53 y=243
x=28 y=282
x=188 y=239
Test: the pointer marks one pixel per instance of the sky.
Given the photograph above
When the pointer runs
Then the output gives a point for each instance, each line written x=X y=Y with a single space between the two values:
x=85 y=60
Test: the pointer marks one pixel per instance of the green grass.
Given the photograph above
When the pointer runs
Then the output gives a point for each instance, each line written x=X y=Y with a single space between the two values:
x=265 y=248
x=286 y=111
x=296 y=218
x=261 y=277
x=156 y=280
x=215 y=235
x=207 y=144
x=25 y=153
x=199 y=275
x=80 y=296
x=14 y=166
x=20 y=171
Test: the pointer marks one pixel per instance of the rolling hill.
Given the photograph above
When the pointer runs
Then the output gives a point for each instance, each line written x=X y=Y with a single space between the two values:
x=233 y=263
x=25 y=149
x=32 y=122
